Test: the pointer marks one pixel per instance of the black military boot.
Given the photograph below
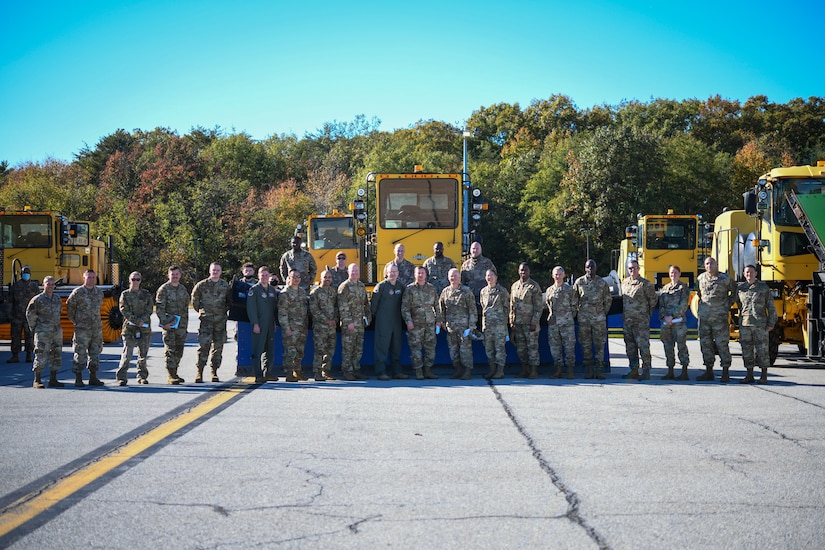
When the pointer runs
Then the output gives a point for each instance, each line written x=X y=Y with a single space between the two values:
x=54 y=382
x=748 y=379
x=763 y=378
x=13 y=359
x=78 y=380
x=708 y=376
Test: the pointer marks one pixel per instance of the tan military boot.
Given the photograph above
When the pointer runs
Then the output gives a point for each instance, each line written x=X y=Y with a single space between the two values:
x=215 y=376
x=457 y=374
x=599 y=374
x=199 y=376
x=525 y=372
x=349 y=376
x=557 y=372
x=467 y=374
x=534 y=372
x=499 y=374
x=37 y=383
x=290 y=376
x=492 y=371
x=300 y=375
x=570 y=374
x=419 y=374
x=172 y=376
x=327 y=375
x=428 y=374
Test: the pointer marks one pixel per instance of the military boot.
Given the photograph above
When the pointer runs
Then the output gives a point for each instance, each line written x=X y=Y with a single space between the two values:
x=763 y=378
x=599 y=375
x=726 y=375
x=670 y=374
x=78 y=380
x=684 y=374
x=492 y=371
x=360 y=376
x=633 y=374
x=28 y=357
x=300 y=375
x=428 y=374
x=349 y=376
x=457 y=374
x=419 y=373
x=94 y=380
x=290 y=376
x=13 y=359
x=644 y=374
x=467 y=374
x=590 y=373
x=54 y=382
x=199 y=376
x=37 y=383
x=570 y=374
x=557 y=372
x=172 y=376
x=534 y=372
x=525 y=372
x=215 y=375
x=748 y=379
x=708 y=376
x=499 y=374
x=327 y=375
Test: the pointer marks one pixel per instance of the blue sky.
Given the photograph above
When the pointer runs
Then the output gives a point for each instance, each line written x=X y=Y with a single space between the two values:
x=73 y=72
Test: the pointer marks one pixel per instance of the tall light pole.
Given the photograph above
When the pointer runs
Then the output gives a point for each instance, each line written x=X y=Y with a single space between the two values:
x=587 y=231
x=465 y=188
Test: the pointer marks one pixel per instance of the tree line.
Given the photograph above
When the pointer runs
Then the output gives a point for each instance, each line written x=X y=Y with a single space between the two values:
x=548 y=171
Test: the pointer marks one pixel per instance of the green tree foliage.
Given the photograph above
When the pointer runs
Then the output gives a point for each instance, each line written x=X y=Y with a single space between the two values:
x=547 y=171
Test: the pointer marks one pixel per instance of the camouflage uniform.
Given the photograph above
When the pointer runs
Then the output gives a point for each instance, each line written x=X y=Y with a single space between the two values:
x=716 y=295
x=353 y=307
x=474 y=273
x=561 y=327
x=757 y=314
x=437 y=269
x=638 y=300
x=526 y=304
x=457 y=312
x=293 y=316
x=212 y=301
x=593 y=302
x=43 y=316
x=673 y=302
x=323 y=305
x=419 y=306
x=338 y=277
x=171 y=301
x=303 y=262
x=83 y=310
x=495 y=312
x=385 y=305
x=405 y=270
x=21 y=294
x=136 y=307
x=261 y=305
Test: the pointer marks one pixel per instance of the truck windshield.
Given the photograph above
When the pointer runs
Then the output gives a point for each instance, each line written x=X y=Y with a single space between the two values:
x=783 y=213
x=26 y=231
x=329 y=233
x=670 y=234
x=418 y=203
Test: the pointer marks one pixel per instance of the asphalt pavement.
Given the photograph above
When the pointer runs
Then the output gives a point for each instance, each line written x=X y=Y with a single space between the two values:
x=511 y=463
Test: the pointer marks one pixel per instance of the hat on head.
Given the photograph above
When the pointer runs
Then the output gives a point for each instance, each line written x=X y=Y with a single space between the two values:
x=27 y=268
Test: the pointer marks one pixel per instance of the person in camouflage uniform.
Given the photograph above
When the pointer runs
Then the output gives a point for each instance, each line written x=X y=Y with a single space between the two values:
x=43 y=316
x=293 y=318
x=22 y=292
x=495 y=313
x=83 y=310
x=211 y=298
x=261 y=307
x=385 y=305
x=339 y=272
x=673 y=304
x=638 y=300
x=300 y=259
x=474 y=270
x=323 y=305
x=438 y=265
x=136 y=306
x=526 y=304
x=457 y=312
x=757 y=318
x=716 y=293
x=593 y=302
x=354 y=310
x=172 y=309
x=419 y=308
x=561 y=323
x=405 y=267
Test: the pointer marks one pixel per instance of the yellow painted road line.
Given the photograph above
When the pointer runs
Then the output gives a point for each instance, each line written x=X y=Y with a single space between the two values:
x=34 y=504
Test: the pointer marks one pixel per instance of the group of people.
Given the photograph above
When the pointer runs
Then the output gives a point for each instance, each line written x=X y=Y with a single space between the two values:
x=424 y=300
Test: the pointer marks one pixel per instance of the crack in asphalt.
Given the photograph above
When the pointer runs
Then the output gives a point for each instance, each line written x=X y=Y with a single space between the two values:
x=570 y=495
